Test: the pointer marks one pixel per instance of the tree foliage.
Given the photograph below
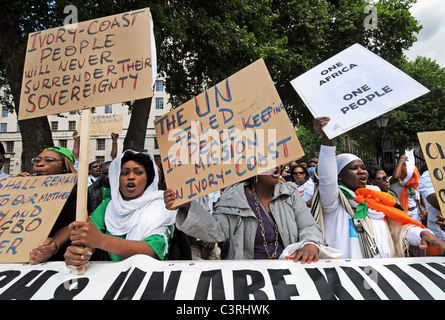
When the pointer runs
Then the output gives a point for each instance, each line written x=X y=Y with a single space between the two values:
x=200 y=43
x=426 y=113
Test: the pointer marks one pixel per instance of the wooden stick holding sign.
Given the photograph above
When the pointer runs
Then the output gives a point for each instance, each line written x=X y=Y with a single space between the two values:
x=82 y=176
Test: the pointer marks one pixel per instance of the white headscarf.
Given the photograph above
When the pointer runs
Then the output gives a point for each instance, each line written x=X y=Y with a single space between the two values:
x=343 y=160
x=137 y=218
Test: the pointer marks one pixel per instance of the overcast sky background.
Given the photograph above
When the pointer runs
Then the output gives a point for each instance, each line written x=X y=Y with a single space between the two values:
x=431 y=39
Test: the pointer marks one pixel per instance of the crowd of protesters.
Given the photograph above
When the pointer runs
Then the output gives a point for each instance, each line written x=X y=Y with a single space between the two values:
x=334 y=206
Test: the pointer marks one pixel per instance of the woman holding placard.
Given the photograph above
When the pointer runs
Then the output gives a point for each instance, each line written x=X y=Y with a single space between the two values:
x=52 y=161
x=357 y=219
x=133 y=221
x=262 y=218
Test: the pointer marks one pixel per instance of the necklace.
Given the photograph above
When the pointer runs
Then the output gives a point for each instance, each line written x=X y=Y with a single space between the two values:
x=263 y=231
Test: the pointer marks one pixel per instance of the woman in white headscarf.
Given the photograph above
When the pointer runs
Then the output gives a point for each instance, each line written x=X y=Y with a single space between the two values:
x=360 y=221
x=133 y=221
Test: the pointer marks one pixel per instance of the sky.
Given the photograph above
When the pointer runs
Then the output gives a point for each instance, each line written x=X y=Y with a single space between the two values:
x=431 y=39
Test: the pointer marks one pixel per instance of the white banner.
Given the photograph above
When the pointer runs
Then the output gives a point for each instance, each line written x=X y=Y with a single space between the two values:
x=142 y=277
x=353 y=87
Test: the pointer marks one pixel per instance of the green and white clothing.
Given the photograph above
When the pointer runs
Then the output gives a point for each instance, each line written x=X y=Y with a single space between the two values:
x=159 y=243
x=141 y=219
x=338 y=226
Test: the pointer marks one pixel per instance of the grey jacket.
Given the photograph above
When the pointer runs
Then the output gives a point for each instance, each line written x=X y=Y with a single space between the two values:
x=234 y=220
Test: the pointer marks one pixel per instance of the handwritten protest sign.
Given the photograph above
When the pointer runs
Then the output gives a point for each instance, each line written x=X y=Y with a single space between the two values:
x=89 y=64
x=105 y=124
x=234 y=130
x=354 y=87
x=433 y=147
x=29 y=207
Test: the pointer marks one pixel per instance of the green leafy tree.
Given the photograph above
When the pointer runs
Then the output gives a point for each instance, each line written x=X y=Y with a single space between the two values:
x=426 y=113
x=201 y=43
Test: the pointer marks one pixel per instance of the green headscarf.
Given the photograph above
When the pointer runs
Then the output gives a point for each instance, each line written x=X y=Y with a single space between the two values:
x=66 y=152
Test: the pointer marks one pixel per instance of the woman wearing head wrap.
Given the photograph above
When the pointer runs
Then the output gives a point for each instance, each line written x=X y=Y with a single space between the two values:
x=133 y=221
x=52 y=161
x=360 y=221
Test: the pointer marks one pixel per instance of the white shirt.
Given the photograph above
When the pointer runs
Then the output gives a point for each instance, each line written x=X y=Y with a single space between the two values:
x=426 y=188
x=339 y=229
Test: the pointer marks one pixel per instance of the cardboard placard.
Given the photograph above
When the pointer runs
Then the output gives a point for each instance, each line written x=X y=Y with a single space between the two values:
x=29 y=207
x=353 y=87
x=235 y=130
x=93 y=63
x=433 y=147
x=102 y=125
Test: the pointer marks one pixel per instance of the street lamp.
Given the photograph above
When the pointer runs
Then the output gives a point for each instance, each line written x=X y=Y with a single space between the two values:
x=384 y=143
x=382 y=121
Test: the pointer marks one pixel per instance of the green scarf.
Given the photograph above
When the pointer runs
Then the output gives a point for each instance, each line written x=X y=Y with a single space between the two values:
x=361 y=211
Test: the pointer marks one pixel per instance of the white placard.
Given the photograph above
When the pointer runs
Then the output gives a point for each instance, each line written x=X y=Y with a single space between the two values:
x=353 y=87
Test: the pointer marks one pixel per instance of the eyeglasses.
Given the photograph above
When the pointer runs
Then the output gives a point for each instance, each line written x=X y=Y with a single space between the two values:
x=46 y=160
x=97 y=166
x=385 y=178
x=298 y=172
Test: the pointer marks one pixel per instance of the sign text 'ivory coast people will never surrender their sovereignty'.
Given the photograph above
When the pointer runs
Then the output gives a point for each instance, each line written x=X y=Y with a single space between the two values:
x=89 y=64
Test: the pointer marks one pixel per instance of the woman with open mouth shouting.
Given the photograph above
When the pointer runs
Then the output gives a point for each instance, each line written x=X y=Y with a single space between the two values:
x=260 y=217
x=133 y=221
x=358 y=219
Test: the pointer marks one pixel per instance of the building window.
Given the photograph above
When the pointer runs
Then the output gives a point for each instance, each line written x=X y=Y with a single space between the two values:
x=4 y=112
x=7 y=166
x=100 y=159
x=156 y=143
x=54 y=125
x=159 y=103
x=9 y=146
x=3 y=127
x=100 y=143
x=73 y=112
x=71 y=125
x=159 y=85
x=108 y=108
x=63 y=143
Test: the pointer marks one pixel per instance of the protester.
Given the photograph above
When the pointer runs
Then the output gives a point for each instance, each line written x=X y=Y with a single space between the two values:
x=52 y=161
x=76 y=147
x=378 y=177
x=133 y=221
x=300 y=176
x=434 y=218
x=374 y=228
x=313 y=162
x=405 y=181
x=100 y=189
x=259 y=217
x=94 y=171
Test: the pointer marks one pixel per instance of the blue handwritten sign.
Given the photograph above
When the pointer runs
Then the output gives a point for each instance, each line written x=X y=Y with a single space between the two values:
x=237 y=129
x=29 y=207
